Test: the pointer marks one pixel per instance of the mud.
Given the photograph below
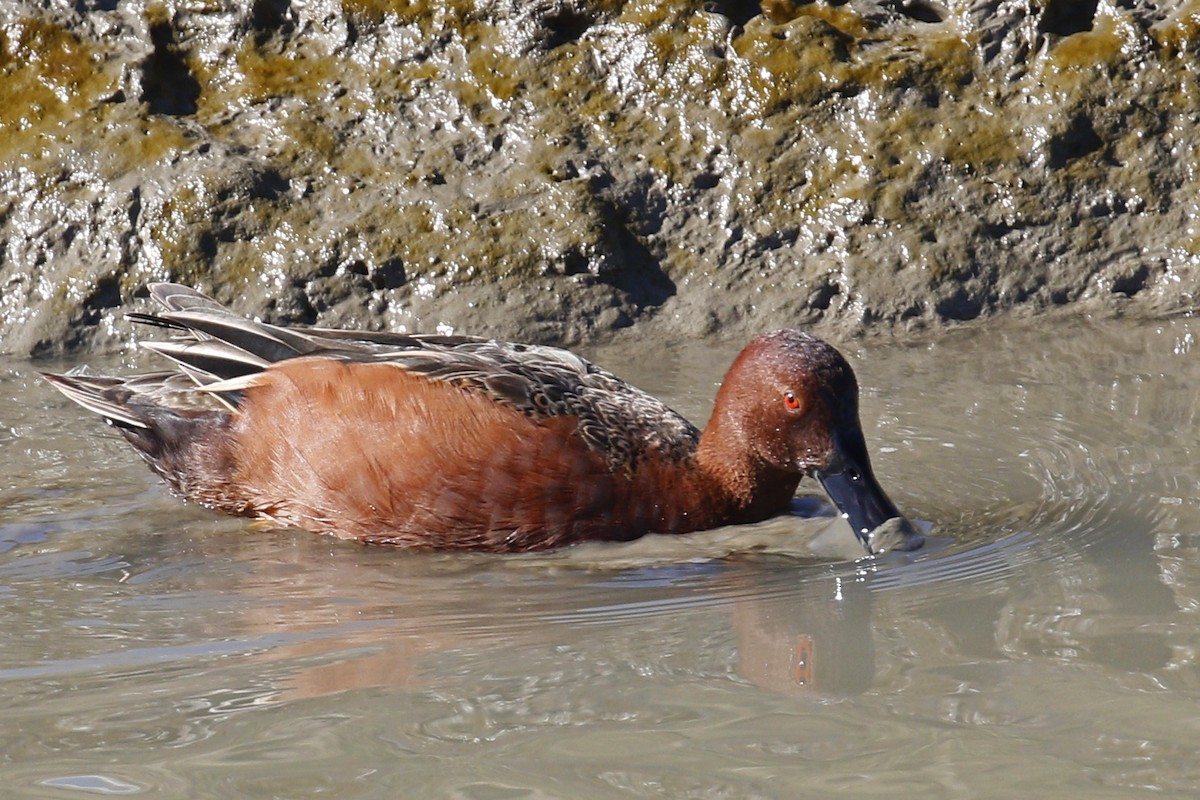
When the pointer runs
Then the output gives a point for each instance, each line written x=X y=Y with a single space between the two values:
x=558 y=170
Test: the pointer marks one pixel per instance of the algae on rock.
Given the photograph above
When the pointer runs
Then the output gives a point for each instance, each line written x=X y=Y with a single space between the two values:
x=559 y=169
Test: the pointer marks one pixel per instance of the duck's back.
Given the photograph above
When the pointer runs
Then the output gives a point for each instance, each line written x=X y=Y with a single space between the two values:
x=416 y=440
x=459 y=449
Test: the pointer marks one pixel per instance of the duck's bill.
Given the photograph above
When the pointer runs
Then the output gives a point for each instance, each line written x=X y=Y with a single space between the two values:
x=852 y=487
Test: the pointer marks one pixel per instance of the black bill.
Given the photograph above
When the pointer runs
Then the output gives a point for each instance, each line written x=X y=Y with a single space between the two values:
x=851 y=485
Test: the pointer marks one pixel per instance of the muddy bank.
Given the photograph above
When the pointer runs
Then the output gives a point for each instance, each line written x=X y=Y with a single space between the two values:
x=557 y=170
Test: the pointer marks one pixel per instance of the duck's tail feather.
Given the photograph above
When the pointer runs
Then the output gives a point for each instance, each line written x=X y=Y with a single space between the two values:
x=107 y=397
x=173 y=427
x=135 y=401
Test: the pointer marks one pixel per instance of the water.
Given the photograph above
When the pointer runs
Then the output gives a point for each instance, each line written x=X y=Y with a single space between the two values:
x=1044 y=645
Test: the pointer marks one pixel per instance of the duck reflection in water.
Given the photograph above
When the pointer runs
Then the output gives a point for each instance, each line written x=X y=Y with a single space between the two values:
x=802 y=630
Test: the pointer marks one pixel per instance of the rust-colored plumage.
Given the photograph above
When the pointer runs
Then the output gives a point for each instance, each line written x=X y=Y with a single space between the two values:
x=459 y=442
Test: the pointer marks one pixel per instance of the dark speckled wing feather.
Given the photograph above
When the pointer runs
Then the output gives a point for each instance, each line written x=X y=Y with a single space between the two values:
x=615 y=418
x=624 y=423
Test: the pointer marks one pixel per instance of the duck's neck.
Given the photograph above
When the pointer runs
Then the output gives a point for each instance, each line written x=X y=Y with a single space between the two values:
x=750 y=488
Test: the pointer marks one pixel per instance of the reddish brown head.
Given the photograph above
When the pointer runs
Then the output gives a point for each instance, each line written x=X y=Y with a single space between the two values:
x=789 y=407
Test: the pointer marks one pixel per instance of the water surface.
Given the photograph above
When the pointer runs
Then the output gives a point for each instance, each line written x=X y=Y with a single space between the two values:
x=1045 y=645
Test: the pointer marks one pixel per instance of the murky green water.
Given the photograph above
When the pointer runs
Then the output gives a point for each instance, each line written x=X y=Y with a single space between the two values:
x=1046 y=645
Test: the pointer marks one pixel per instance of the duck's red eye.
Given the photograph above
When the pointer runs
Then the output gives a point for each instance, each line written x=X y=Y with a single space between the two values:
x=790 y=401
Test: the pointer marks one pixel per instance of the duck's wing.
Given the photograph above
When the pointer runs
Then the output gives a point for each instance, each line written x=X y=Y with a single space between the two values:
x=226 y=354
x=212 y=343
x=615 y=417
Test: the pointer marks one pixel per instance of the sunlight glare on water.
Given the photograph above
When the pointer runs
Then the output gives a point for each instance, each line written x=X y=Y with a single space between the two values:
x=1044 y=643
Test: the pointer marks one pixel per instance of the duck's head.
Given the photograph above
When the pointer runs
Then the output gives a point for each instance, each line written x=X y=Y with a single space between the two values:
x=792 y=399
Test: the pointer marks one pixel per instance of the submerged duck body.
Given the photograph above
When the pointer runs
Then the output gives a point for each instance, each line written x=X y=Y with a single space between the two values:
x=453 y=442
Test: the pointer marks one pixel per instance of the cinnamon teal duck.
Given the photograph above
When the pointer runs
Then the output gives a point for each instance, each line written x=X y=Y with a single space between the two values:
x=456 y=442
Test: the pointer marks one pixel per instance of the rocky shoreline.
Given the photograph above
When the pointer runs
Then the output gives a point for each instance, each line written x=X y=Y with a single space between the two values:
x=559 y=170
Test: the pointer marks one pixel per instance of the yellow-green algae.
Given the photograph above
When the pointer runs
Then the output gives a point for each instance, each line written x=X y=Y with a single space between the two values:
x=841 y=17
x=433 y=15
x=49 y=77
x=1179 y=35
x=780 y=73
x=416 y=233
x=1085 y=62
x=781 y=90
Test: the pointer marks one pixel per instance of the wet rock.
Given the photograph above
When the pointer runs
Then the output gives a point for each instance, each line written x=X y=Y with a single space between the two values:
x=558 y=169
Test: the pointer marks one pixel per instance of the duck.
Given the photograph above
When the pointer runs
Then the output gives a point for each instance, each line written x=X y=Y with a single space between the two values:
x=452 y=442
